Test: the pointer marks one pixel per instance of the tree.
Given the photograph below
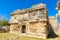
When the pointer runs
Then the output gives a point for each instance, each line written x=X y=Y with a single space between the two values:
x=4 y=23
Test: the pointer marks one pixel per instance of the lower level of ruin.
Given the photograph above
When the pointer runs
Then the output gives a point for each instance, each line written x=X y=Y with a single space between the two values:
x=38 y=29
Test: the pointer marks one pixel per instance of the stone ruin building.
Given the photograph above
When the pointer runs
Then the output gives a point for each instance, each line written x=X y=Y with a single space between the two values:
x=34 y=21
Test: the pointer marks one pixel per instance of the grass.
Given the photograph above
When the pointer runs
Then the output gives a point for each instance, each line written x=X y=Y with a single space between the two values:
x=8 y=36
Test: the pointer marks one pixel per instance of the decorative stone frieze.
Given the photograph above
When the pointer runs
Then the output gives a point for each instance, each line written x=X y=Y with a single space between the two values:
x=30 y=21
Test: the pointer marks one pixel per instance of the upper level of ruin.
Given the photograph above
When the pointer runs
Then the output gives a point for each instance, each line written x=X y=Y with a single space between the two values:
x=34 y=7
x=36 y=12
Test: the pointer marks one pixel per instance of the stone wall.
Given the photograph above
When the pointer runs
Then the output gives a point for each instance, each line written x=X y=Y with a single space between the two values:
x=54 y=23
x=35 y=21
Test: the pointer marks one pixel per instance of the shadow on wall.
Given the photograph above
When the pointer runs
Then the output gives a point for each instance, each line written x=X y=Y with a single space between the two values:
x=51 y=33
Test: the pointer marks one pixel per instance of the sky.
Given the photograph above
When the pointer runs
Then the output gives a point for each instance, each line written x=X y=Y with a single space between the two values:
x=8 y=6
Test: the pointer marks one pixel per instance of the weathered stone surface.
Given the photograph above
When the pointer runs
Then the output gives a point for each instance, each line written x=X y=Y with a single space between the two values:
x=32 y=21
x=54 y=23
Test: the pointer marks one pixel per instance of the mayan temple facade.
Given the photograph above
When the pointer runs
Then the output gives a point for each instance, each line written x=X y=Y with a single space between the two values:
x=32 y=21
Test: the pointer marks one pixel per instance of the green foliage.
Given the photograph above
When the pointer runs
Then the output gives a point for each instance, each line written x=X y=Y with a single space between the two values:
x=4 y=23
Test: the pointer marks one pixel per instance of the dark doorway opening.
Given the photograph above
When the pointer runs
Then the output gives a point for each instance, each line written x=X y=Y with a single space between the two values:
x=23 y=28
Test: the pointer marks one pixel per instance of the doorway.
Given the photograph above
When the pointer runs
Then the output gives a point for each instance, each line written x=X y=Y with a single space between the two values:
x=23 y=28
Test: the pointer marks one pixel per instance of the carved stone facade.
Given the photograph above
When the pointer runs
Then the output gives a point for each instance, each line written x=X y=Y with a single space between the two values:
x=32 y=21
